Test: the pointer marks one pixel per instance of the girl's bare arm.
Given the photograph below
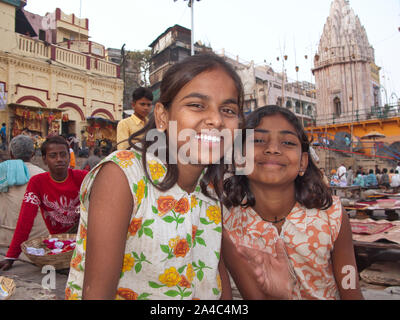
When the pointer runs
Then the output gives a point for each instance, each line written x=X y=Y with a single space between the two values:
x=344 y=263
x=110 y=210
x=225 y=281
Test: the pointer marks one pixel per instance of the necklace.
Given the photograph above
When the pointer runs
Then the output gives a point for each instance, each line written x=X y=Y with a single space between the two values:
x=275 y=221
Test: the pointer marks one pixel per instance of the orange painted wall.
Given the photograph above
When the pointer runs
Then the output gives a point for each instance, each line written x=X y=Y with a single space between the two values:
x=389 y=127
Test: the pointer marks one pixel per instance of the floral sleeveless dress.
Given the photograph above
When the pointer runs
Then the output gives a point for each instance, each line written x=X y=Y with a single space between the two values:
x=173 y=242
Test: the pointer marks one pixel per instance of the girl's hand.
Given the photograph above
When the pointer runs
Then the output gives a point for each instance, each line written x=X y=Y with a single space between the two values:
x=273 y=274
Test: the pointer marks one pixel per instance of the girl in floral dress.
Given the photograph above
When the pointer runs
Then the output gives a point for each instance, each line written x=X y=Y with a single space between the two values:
x=284 y=235
x=150 y=224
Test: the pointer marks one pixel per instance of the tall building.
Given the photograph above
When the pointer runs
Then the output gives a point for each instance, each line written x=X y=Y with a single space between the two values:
x=172 y=46
x=263 y=86
x=346 y=76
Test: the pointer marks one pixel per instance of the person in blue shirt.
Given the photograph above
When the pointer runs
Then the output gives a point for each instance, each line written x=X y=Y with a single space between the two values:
x=347 y=140
x=371 y=180
x=359 y=180
x=3 y=135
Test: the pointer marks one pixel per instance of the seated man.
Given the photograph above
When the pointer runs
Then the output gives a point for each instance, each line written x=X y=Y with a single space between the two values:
x=141 y=104
x=370 y=180
x=22 y=148
x=56 y=193
x=359 y=180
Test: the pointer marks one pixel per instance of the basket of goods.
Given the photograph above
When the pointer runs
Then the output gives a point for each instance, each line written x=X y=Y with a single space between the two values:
x=55 y=250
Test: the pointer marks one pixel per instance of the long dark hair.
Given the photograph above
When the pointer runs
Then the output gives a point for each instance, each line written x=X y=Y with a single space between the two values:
x=173 y=81
x=311 y=191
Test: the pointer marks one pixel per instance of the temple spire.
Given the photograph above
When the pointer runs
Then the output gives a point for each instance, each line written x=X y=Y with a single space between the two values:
x=343 y=29
x=344 y=66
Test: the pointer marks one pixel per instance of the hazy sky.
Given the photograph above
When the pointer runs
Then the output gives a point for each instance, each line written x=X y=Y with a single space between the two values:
x=255 y=30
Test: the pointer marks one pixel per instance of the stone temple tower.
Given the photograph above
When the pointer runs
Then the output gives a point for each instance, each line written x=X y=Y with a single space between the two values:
x=346 y=77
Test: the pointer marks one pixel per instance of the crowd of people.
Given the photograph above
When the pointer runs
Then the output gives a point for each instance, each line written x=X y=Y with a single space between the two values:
x=55 y=193
x=25 y=188
x=379 y=178
x=149 y=227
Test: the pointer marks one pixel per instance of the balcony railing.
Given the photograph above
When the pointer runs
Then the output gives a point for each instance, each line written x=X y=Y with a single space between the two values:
x=39 y=49
x=30 y=47
x=373 y=113
x=68 y=57
x=85 y=47
x=326 y=60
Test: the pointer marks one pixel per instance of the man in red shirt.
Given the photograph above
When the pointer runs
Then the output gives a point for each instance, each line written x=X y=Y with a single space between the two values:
x=56 y=193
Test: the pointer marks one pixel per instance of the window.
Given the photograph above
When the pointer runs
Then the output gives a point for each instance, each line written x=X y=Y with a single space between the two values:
x=376 y=96
x=298 y=107
x=337 y=107
x=42 y=35
x=261 y=95
x=309 y=110
x=289 y=104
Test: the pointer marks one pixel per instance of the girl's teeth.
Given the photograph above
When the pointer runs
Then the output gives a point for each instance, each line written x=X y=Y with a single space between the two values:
x=209 y=138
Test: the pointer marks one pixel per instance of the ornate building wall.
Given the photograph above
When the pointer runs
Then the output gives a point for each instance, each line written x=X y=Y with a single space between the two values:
x=49 y=77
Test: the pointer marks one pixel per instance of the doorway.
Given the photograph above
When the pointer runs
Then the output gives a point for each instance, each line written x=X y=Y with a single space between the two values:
x=68 y=128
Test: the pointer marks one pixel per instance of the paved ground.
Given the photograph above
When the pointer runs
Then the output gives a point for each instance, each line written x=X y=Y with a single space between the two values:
x=31 y=282
x=28 y=277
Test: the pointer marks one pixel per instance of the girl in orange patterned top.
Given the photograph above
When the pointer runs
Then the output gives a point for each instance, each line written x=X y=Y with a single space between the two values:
x=284 y=235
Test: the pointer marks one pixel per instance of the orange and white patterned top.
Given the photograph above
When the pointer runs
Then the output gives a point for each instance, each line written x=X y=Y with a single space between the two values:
x=309 y=236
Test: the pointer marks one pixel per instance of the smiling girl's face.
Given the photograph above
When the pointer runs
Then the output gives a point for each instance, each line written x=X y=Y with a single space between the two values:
x=204 y=108
x=278 y=157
